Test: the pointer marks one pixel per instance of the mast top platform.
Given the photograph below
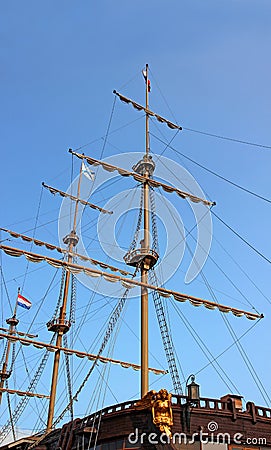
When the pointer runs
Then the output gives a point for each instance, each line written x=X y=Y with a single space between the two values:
x=5 y=374
x=144 y=256
x=141 y=256
x=59 y=325
x=71 y=238
x=145 y=165
x=12 y=321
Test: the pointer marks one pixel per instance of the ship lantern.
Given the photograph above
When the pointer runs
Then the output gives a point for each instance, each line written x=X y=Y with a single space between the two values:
x=192 y=389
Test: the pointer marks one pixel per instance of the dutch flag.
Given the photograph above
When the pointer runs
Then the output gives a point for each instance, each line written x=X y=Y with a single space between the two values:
x=23 y=302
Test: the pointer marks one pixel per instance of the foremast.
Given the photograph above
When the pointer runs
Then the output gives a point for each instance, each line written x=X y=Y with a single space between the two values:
x=61 y=325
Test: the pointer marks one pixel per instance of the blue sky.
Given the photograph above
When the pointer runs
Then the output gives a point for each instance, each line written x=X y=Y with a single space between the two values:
x=60 y=62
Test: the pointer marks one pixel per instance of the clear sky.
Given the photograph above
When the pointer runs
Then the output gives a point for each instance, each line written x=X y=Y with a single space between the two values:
x=61 y=60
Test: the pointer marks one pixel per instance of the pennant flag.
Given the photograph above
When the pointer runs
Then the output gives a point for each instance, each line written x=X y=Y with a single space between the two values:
x=144 y=73
x=23 y=302
x=87 y=172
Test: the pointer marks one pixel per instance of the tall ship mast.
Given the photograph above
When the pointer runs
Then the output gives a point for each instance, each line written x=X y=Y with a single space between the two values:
x=178 y=417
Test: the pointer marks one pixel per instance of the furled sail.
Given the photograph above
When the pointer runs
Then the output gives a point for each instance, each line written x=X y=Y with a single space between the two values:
x=75 y=199
x=20 y=333
x=139 y=107
x=78 y=353
x=76 y=268
x=141 y=178
x=39 y=243
x=23 y=393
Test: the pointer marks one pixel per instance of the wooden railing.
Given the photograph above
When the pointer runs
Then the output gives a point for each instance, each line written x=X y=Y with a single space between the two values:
x=211 y=404
x=263 y=412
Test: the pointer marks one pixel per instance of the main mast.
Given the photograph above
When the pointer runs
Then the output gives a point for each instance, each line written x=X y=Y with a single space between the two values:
x=144 y=268
x=145 y=257
x=61 y=325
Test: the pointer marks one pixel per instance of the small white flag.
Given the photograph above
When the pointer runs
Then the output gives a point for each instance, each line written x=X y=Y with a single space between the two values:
x=87 y=172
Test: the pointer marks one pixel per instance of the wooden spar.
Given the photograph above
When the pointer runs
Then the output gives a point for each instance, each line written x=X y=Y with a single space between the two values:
x=23 y=393
x=78 y=353
x=64 y=251
x=20 y=333
x=139 y=107
x=75 y=199
x=141 y=178
x=76 y=268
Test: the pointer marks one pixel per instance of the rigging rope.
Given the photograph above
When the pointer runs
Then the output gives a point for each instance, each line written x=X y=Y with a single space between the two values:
x=239 y=346
x=166 y=336
x=113 y=131
x=245 y=358
x=105 y=381
x=5 y=286
x=108 y=127
x=229 y=347
x=10 y=413
x=110 y=327
x=242 y=239
x=242 y=270
x=155 y=244
x=60 y=294
x=71 y=185
x=207 y=133
x=38 y=309
x=227 y=138
x=73 y=297
x=241 y=349
x=13 y=356
x=67 y=363
x=205 y=350
x=231 y=281
x=189 y=233
x=213 y=260
x=98 y=282
x=212 y=171
x=139 y=222
x=167 y=145
x=34 y=232
x=122 y=220
x=24 y=401
x=163 y=97
x=29 y=378
x=3 y=354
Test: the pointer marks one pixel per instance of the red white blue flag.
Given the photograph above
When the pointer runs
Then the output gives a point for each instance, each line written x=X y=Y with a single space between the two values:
x=23 y=302
x=144 y=73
